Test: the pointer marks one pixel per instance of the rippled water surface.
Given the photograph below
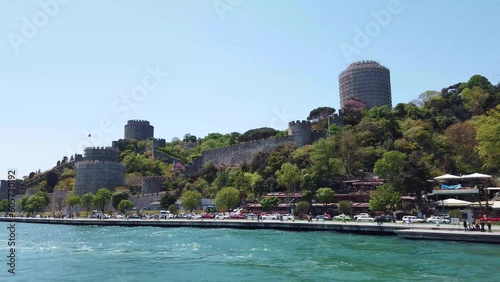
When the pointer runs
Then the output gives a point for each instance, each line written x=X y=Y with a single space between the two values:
x=92 y=253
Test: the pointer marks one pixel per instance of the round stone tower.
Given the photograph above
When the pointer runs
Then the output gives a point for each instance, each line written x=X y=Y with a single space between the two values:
x=368 y=81
x=100 y=168
x=301 y=132
x=138 y=130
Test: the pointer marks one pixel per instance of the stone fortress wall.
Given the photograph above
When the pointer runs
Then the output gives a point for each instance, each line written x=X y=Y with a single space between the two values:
x=100 y=168
x=152 y=184
x=299 y=132
x=158 y=142
x=138 y=130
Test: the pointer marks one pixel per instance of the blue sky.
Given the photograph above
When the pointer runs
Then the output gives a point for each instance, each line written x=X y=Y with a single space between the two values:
x=70 y=68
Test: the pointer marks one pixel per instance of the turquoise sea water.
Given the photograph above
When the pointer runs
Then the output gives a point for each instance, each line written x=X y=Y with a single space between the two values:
x=91 y=253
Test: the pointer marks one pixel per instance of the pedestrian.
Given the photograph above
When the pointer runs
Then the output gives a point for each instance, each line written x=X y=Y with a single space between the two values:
x=465 y=225
x=489 y=226
x=482 y=226
x=409 y=220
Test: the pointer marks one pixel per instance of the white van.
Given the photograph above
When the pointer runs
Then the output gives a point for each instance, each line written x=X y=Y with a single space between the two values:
x=165 y=215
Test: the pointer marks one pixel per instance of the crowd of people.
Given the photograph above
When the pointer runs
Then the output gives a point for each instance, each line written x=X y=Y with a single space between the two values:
x=477 y=225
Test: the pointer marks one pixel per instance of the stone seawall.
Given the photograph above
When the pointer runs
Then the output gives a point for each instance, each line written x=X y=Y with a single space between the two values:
x=431 y=232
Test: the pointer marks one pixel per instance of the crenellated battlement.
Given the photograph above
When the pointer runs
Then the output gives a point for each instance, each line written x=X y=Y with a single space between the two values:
x=102 y=154
x=86 y=162
x=152 y=178
x=138 y=121
x=101 y=149
x=298 y=122
x=138 y=129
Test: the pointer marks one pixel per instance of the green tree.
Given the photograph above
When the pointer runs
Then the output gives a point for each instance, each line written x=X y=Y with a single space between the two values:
x=426 y=96
x=475 y=99
x=462 y=139
x=117 y=197
x=307 y=195
x=35 y=203
x=390 y=167
x=326 y=165
x=87 y=200
x=101 y=198
x=269 y=203
x=288 y=176
x=325 y=195
x=24 y=203
x=303 y=207
x=488 y=139
x=479 y=81
x=167 y=199
x=345 y=207
x=4 y=205
x=384 y=198
x=124 y=205
x=73 y=200
x=65 y=184
x=227 y=198
x=173 y=209
x=191 y=199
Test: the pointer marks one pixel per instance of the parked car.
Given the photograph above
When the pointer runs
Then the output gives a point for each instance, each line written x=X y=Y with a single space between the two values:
x=320 y=217
x=342 y=217
x=363 y=217
x=237 y=216
x=288 y=217
x=268 y=216
x=135 y=216
x=252 y=216
x=221 y=216
x=361 y=214
x=305 y=216
x=438 y=220
x=194 y=216
x=385 y=218
x=207 y=215
x=411 y=219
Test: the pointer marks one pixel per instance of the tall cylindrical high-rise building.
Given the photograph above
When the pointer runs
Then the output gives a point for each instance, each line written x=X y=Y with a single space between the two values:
x=368 y=81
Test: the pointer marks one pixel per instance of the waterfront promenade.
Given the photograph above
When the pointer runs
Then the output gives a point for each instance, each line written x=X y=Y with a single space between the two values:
x=416 y=231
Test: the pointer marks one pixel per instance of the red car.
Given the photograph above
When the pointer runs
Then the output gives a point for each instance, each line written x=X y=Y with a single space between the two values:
x=238 y=216
x=207 y=215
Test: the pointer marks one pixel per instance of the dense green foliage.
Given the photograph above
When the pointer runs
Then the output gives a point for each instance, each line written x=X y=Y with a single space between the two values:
x=303 y=207
x=269 y=203
x=227 y=199
x=117 y=197
x=101 y=198
x=385 y=197
x=190 y=200
x=124 y=205
x=167 y=200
